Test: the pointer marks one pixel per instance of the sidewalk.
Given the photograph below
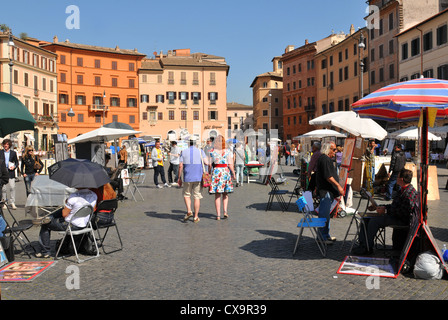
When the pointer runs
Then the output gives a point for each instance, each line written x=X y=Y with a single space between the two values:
x=246 y=257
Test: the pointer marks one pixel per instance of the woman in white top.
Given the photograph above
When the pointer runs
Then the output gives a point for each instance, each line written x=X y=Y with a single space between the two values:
x=59 y=220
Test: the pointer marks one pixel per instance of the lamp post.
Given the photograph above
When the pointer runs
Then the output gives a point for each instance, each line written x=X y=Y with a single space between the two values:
x=270 y=115
x=11 y=64
x=104 y=106
x=361 y=46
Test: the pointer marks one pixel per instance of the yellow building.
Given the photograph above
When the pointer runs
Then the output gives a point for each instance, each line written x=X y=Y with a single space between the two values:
x=267 y=90
x=239 y=116
x=29 y=73
x=339 y=75
x=183 y=94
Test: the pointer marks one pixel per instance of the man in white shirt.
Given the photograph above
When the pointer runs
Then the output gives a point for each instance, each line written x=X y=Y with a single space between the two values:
x=174 y=164
x=11 y=162
x=59 y=220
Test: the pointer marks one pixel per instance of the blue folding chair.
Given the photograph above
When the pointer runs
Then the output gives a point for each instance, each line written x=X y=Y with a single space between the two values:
x=312 y=224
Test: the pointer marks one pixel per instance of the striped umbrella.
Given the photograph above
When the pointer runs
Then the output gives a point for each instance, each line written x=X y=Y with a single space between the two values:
x=406 y=101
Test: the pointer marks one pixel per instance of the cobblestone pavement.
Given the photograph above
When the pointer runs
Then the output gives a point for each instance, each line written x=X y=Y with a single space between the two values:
x=248 y=256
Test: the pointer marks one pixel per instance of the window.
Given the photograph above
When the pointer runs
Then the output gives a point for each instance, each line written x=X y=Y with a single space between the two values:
x=372 y=54
x=442 y=72
x=159 y=115
x=160 y=98
x=131 y=119
x=171 y=96
x=428 y=73
x=195 y=115
x=391 y=21
x=16 y=76
x=380 y=31
x=79 y=62
x=183 y=97
x=170 y=77
x=62 y=59
x=131 y=102
x=80 y=100
x=131 y=83
x=114 y=118
x=381 y=74
x=213 y=115
x=131 y=66
x=355 y=69
x=97 y=63
x=25 y=79
x=114 y=65
x=63 y=117
x=340 y=74
x=340 y=56
x=79 y=79
x=97 y=100
x=212 y=78
x=145 y=116
x=415 y=75
x=346 y=73
x=331 y=60
x=324 y=63
x=171 y=115
x=381 y=51
x=196 y=96
x=62 y=77
x=213 y=96
x=97 y=81
x=63 y=98
x=114 y=82
x=442 y=35
x=51 y=86
x=427 y=41
x=415 y=47
x=404 y=51
x=114 y=101
x=340 y=105
x=391 y=71
x=372 y=77
x=346 y=53
x=391 y=47
x=80 y=117
x=183 y=78
x=144 y=98
x=97 y=118
x=183 y=115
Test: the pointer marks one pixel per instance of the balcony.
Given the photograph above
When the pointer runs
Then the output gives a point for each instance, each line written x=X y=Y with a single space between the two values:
x=310 y=108
x=44 y=118
x=98 y=108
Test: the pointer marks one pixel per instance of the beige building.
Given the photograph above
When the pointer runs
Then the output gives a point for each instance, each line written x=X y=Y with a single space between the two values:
x=339 y=82
x=385 y=20
x=423 y=49
x=183 y=94
x=33 y=81
x=239 y=116
x=267 y=91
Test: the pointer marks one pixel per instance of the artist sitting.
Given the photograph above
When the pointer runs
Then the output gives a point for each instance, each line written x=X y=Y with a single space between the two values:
x=115 y=181
x=397 y=214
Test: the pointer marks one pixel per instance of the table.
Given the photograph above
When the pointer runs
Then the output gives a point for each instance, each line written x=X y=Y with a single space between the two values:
x=250 y=166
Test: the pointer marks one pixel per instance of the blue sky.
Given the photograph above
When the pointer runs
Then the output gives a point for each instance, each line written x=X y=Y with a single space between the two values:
x=248 y=33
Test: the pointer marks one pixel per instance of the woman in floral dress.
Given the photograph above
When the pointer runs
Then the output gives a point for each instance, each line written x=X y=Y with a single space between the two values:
x=222 y=167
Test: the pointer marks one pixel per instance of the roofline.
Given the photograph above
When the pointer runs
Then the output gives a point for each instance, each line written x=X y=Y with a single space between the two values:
x=92 y=49
x=422 y=22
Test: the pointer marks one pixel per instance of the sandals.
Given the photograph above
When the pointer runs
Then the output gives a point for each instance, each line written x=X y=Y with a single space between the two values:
x=41 y=255
x=188 y=216
x=225 y=215
x=196 y=220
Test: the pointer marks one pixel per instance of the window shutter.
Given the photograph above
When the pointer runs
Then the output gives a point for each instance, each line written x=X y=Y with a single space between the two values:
x=216 y=95
x=167 y=96
x=199 y=95
x=175 y=95
x=186 y=95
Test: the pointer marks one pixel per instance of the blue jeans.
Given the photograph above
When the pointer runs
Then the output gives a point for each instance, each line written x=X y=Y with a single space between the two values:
x=391 y=184
x=57 y=223
x=28 y=179
x=239 y=173
x=2 y=226
x=324 y=212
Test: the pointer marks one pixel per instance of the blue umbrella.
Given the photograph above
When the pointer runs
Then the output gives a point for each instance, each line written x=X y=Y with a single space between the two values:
x=234 y=141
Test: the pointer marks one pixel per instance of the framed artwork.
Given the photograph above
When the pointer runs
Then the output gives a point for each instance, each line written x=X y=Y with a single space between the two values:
x=20 y=271
x=3 y=258
x=347 y=155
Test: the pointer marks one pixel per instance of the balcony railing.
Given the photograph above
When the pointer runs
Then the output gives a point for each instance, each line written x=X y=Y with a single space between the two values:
x=98 y=108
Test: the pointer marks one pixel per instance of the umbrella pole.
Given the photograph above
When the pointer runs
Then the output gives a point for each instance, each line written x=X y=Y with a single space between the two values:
x=424 y=165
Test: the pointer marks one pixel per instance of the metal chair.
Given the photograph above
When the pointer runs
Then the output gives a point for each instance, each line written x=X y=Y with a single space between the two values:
x=278 y=194
x=108 y=207
x=17 y=230
x=312 y=224
x=86 y=211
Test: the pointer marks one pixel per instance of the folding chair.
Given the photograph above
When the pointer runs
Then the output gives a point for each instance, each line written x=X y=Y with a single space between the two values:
x=312 y=224
x=297 y=191
x=85 y=211
x=278 y=194
x=17 y=230
x=108 y=206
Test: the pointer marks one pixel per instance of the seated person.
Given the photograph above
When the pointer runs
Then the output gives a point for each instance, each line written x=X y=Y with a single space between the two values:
x=106 y=192
x=58 y=221
x=2 y=226
x=115 y=182
x=397 y=214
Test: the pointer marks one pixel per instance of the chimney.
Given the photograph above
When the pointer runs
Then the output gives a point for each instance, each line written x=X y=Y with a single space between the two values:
x=306 y=41
x=289 y=48
x=352 y=29
x=55 y=39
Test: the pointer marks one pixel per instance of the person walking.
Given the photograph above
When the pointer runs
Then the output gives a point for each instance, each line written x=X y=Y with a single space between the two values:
x=293 y=154
x=222 y=168
x=174 y=163
x=240 y=158
x=11 y=162
x=397 y=163
x=328 y=187
x=30 y=167
x=191 y=168
x=287 y=152
x=123 y=156
x=157 y=163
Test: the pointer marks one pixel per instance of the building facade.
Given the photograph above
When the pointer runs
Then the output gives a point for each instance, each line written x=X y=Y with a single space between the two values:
x=239 y=117
x=385 y=20
x=339 y=81
x=183 y=93
x=29 y=73
x=267 y=92
x=98 y=85
x=300 y=85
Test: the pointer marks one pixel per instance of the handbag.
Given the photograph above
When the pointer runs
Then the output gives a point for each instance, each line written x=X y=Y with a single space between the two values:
x=206 y=177
x=37 y=165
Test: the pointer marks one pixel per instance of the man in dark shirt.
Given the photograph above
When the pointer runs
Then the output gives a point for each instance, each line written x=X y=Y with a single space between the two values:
x=328 y=186
x=396 y=214
x=397 y=163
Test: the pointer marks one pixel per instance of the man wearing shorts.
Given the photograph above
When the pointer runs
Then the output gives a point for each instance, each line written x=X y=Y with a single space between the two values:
x=191 y=167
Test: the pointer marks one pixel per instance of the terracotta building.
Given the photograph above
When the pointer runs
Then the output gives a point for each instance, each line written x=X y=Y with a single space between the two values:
x=300 y=85
x=30 y=73
x=183 y=93
x=385 y=20
x=267 y=95
x=239 y=116
x=339 y=73
x=100 y=85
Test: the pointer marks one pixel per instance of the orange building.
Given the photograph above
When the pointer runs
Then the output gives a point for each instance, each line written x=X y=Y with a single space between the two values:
x=98 y=84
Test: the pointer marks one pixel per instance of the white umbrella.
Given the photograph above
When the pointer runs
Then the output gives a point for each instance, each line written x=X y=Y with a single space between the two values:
x=439 y=131
x=321 y=133
x=103 y=134
x=252 y=133
x=412 y=134
x=350 y=121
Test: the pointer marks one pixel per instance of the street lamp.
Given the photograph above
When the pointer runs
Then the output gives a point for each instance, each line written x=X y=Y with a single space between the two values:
x=71 y=113
x=11 y=64
x=104 y=105
x=270 y=115
x=361 y=46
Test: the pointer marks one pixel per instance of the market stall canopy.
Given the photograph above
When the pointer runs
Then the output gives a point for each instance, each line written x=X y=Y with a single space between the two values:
x=102 y=134
x=321 y=133
x=14 y=116
x=118 y=125
x=439 y=131
x=349 y=121
x=413 y=134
